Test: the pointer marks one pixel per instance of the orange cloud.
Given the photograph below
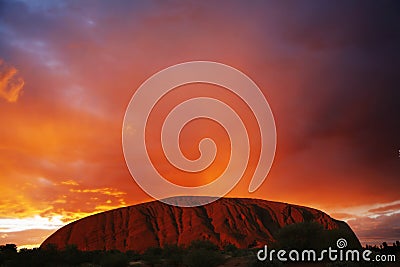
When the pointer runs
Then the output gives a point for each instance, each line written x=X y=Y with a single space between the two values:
x=70 y=182
x=104 y=191
x=10 y=83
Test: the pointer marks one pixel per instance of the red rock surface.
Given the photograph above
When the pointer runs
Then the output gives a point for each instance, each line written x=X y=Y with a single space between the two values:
x=242 y=222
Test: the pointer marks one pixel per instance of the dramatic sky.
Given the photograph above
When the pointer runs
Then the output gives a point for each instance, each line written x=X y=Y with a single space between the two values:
x=330 y=72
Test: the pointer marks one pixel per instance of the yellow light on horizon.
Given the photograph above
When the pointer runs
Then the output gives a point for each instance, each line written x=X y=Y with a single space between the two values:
x=8 y=225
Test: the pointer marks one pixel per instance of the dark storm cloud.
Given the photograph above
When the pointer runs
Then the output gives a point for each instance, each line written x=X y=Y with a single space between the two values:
x=354 y=46
x=378 y=229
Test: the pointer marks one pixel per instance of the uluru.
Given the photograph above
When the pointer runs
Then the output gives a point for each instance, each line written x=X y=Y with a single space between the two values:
x=243 y=222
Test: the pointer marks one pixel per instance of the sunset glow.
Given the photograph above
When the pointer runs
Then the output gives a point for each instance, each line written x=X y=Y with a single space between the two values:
x=69 y=69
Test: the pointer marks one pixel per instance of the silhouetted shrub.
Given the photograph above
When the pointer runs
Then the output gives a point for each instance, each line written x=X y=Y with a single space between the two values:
x=152 y=256
x=114 y=259
x=205 y=244
x=72 y=256
x=133 y=255
x=173 y=255
x=307 y=235
x=202 y=257
x=8 y=248
x=232 y=250
x=311 y=235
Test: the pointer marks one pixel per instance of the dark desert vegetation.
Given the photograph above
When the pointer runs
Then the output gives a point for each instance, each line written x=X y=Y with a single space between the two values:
x=200 y=253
